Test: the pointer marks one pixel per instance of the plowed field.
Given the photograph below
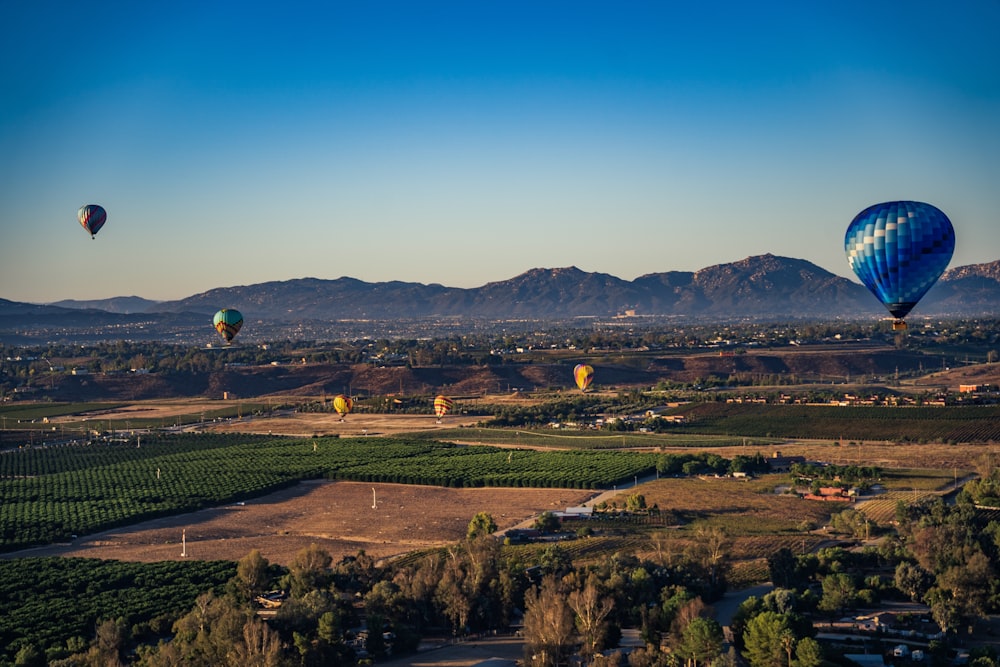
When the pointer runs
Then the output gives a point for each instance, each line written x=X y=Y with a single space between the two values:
x=337 y=516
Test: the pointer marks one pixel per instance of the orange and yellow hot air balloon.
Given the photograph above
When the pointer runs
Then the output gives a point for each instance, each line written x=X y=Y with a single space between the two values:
x=584 y=375
x=342 y=404
x=442 y=406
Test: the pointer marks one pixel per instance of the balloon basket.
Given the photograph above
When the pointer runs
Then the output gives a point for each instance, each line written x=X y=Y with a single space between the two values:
x=898 y=325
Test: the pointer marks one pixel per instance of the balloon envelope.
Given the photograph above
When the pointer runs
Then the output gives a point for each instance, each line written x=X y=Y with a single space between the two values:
x=442 y=405
x=342 y=404
x=92 y=217
x=228 y=323
x=583 y=374
x=899 y=249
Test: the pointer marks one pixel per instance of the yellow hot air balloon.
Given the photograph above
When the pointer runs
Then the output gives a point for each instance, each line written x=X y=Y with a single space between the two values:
x=584 y=375
x=342 y=404
x=442 y=405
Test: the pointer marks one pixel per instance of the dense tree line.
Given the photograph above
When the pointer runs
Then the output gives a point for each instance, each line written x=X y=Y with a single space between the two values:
x=336 y=613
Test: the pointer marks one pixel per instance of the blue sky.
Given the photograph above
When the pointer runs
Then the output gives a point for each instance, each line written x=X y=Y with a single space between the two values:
x=466 y=142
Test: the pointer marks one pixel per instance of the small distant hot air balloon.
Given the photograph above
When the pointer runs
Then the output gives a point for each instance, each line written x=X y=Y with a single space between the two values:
x=899 y=249
x=342 y=404
x=92 y=217
x=442 y=406
x=228 y=322
x=584 y=375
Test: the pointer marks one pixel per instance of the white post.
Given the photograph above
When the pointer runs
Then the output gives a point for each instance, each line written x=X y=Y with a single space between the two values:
x=184 y=548
x=374 y=505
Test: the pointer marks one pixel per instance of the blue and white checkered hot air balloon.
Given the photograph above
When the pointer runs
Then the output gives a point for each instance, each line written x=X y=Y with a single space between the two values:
x=899 y=249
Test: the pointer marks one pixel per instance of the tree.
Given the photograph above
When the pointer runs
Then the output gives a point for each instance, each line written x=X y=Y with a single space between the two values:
x=592 y=608
x=29 y=656
x=548 y=624
x=912 y=580
x=709 y=550
x=252 y=575
x=839 y=592
x=206 y=634
x=547 y=522
x=260 y=646
x=783 y=568
x=454 y=594
x=482 y=524
x=808 y=653
x=309 y=570
x=970 y=586
x=635 y=502
x=109 y=643
x=701 y=641
x=762 y=640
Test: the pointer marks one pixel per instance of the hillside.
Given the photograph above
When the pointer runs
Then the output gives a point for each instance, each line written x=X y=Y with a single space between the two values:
x=762 y=287
x=364 y=379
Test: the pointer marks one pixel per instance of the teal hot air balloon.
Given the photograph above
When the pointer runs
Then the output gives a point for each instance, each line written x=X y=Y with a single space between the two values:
x=228 y=322
x=899 y=249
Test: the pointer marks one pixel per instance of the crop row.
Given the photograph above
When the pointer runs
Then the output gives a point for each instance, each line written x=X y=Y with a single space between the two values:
x=914 y=424
x=49 y=494
x=73 y=594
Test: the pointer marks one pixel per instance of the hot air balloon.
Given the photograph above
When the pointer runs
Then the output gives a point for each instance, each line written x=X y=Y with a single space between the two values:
x=442 y=405
x=899 y=249
x=92 y=217
x=583 y=374
x=228 y=323
x=342 y=404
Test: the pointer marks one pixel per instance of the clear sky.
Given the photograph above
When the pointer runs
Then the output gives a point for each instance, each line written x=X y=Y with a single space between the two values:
x=464 y=142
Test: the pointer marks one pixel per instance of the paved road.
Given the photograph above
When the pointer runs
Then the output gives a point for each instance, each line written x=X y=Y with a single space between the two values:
x=725 y=609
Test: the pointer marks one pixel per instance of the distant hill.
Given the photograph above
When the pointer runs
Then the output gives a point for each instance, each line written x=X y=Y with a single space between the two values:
x=123 y=305
x=970 y=290
x=761 y=286
x=764 y=286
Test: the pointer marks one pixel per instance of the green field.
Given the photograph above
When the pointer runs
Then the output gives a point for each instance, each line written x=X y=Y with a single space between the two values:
x=586 y=439
x=48 y=494
x=956 y=424
x=73 y=595
x=36 y=416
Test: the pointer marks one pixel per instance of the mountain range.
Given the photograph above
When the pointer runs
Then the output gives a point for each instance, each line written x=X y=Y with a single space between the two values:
x=764 y=286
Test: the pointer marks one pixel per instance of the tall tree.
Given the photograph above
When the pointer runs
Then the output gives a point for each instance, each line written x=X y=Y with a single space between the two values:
x=454 y=593
x=260 y=646
x=592 y=606
x=548 y=624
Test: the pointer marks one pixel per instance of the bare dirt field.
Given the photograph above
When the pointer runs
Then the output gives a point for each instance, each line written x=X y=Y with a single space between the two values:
x=337 y=516
x=152 y=409
x=307 y=424
x=954 y=377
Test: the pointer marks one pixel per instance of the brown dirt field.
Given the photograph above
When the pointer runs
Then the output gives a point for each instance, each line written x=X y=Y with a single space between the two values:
x=951 y=379
x=308 y=424
x=337 y=516
x=153 y=409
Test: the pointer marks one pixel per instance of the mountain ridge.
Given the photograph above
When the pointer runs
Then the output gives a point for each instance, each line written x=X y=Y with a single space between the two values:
x=758 y=286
